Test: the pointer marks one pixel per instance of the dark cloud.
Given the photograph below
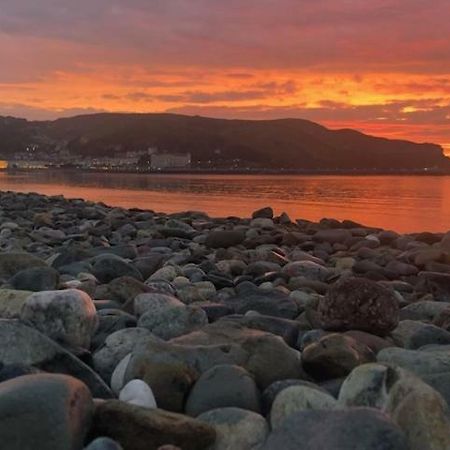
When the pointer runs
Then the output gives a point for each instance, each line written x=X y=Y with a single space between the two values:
x=386 y=34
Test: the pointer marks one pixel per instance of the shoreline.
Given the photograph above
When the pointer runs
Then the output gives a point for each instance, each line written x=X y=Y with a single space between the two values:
x=256 y=172
x=233 y=332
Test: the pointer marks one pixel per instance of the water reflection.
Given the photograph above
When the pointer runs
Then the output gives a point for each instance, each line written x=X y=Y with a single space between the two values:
x=403 y=203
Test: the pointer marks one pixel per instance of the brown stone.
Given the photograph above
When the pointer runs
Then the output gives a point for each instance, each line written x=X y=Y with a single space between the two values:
x=137 y=428
x=359 y=304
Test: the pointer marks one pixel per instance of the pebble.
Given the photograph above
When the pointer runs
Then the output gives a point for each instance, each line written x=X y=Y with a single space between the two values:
x=337 y=333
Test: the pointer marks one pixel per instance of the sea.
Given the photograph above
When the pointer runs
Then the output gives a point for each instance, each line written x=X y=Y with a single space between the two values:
x=403 y=203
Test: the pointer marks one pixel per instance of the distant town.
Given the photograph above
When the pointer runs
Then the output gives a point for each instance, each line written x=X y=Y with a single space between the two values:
x=150 y=159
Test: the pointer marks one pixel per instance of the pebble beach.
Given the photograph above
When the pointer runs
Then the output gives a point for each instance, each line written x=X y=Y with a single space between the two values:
x=138 y=330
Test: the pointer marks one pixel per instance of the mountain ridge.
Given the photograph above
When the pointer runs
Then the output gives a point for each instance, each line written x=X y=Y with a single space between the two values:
x=276 y=143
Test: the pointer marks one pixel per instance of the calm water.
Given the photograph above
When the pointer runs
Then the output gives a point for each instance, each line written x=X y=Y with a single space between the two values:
x=402 y=203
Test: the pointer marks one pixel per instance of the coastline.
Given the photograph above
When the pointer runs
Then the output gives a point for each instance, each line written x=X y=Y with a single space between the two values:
x=275 y=172
x=194 y=315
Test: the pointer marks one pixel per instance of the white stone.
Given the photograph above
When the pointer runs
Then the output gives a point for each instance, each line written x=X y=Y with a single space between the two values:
x=138 y=392
x=118 y=376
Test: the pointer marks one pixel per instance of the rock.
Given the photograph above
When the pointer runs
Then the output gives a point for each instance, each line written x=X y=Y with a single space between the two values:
x=139 y=393
x=154 y=303
x=11 y=303
x=137 y=428
x=266 y=213
x=104 y=443
x=423 y=310
x=412 y=404
x=435 y=283
x=356 y=428
x=124 y=290
x=263 y=223
x=223 y=386
x=236 y=428
x=118 y=375
x=149 y=264
x=442 y=319
x=11 y=263
x=58 y=413
x=359 y=304
x=35 y=279
x=10 y=371
x=224 y=239
x=334 y=356
x=333 y=236
x=107 y=267
x=26 y=346
x=271 y=392
x=68 y=317
x=173 y=320
x=298 y=398
x=418 y=362
x=374 y=343
x=308 y=269
x=412 y=334
x=269 y=302
x=440 y=382
x=110 y=321
x=260 y=351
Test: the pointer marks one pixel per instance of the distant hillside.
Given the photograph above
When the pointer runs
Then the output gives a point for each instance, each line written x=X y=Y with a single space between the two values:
x=284 y=143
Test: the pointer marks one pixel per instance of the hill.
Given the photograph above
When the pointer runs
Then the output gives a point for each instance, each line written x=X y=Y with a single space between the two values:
x=283 y=143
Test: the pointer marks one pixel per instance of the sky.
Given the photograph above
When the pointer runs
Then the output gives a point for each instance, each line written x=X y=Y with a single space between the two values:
x=379 y=66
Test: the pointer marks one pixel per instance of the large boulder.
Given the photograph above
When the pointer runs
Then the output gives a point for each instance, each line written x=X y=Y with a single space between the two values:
x=137 y=428
x=359 y=304
x=356 y=428
x=68 y=316
x=26 y=346
x=45 y=412
x=223 y=386
x=413 y=405
x=236 y=428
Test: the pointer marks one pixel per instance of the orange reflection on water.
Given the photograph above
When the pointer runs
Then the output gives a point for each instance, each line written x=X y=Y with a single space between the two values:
x=402 y=203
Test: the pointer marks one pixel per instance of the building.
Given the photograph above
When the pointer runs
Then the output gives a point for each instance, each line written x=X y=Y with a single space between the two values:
x=170 y=160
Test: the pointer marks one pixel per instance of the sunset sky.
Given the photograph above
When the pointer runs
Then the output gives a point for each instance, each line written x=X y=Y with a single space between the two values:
x=380 y=66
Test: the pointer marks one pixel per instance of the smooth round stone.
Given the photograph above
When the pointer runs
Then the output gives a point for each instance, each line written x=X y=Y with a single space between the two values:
x=45 y=412
x=13 y=262
x=107 y=267
x=139 y=393
x=35 y=279
x=173 y=321
x=116 y=346
x=298 y=398
x=104 y=443
x=223 y=386
x=68 y=316
x=139 y=428
x=334 y=356
x=413 y=334
x=357 y=428
x=236 y=428
x=271 y=392
x=154 y=303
